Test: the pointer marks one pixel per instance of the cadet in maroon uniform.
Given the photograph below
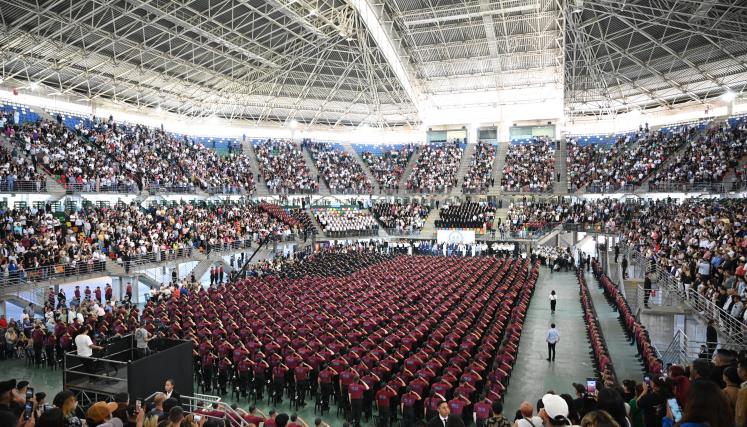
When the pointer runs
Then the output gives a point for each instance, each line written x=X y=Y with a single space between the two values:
x=481 y=411
x=355 y=394
x=383 y=403
x=224 y=373
x=128 y=292
x=260 y=375
x=37 y=338
x=98 y=294
x=408 y=404
x=457 y=406
x=208 y=366
x=244 y=367
x=326 y=376
x=50 y=342
x=278 y=382
x=108 y=292
x=87 y=293
x=301 y=377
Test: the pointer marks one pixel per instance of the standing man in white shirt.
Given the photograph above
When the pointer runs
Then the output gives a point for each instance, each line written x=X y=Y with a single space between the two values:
x=85 y=347
x=553 y=337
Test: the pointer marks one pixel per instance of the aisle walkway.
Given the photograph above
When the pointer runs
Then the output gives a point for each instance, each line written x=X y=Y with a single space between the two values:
x=623 y=355
x=533 y=375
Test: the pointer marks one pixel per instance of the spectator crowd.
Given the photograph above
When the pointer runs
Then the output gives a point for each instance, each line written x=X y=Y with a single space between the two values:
x=480 y=173
x=389 y=166
x=530 y=167
x=341 y=171
x=436 y=168
x=401 y=218
x=283 y=168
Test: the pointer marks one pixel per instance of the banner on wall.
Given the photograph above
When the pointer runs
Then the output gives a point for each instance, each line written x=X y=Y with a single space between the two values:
x=457 y=236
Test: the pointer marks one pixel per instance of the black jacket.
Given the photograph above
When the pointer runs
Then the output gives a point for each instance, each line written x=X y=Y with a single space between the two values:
x=452 y=421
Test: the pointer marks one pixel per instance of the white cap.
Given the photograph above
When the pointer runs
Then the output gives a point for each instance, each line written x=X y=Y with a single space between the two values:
x=555 y=406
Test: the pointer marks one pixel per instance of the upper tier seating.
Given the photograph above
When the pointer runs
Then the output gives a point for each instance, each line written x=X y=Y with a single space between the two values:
x=480 y=173
x=436 y=168
x=386 y=162
x=530 y=167
x=283 y=168
x=341 y=171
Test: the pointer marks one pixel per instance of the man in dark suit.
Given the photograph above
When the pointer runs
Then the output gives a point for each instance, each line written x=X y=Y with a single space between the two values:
x=170 y=392
x=444 y=417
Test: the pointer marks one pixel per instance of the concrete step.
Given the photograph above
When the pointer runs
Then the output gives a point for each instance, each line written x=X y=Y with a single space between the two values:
x=498 y=164
x=323 y=188
x=429 y=228
x=410 y=166
x=351 y=151
x=464 y=167
x=319 y=231
x=561 y=167
x=260 y=184
x=675 y=157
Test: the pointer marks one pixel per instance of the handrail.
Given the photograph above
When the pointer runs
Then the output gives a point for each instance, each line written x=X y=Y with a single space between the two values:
x=735 y=330
x=94 y=187
x=55 y=271
x=23 y=186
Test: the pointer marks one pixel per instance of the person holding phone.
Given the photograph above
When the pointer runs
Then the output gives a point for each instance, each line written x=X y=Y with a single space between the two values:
x=706 y=406
x=651 y=401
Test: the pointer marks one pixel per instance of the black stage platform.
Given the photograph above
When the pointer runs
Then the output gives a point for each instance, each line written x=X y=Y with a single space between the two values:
x=117 y=369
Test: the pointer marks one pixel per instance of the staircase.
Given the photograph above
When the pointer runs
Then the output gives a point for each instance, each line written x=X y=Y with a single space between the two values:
x=259 y=183
x=498 y=164
x=319 y=231
x=561 y=167
x=429 y=228
x=351 y=151
x=464 y=167
x=323 y=189
x=44 y=115
x=201 y=268
x=410 y=166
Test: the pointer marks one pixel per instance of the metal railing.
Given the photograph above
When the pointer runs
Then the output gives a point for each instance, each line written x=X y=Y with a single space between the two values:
x=733 y=328
x=57 y=271
x=184 y=188
x=191 y=404
x=684 y=187
x=682 y=350
x=352 y=233
x=402 y=232
x=227 y=189
x=601 y=188
x=95 y=187
x=23 y=186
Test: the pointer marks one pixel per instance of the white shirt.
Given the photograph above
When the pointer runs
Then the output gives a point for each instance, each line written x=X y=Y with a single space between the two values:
x=524 y=422
x=553 y=297
x=83 y=343
x=553 y=336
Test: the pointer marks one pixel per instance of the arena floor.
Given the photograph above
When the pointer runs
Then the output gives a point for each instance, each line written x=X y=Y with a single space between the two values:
x=532 y=375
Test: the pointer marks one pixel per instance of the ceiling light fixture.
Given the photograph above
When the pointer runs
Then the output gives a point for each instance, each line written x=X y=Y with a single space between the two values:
x=293 y=124
x=34 y=86
x=728 y=96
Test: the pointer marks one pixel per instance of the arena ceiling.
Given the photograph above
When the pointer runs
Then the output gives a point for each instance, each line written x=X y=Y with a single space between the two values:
x=375 y=62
